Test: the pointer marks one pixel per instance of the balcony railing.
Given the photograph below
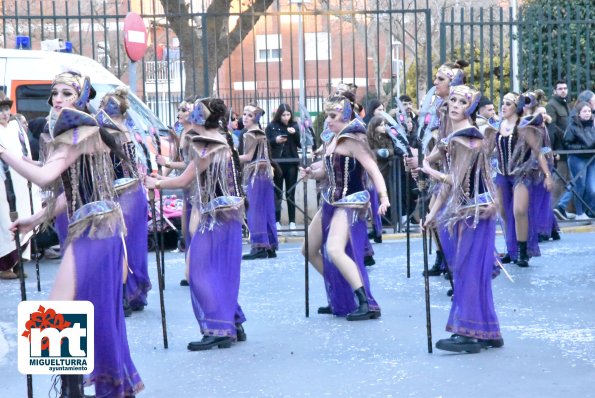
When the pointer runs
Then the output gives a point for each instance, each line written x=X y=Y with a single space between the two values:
x=163 y=71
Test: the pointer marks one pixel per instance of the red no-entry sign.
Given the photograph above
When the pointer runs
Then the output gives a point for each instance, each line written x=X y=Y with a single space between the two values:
x=135 y=36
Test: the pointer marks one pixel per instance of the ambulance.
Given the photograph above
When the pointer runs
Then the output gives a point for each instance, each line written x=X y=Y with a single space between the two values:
x=26 y=77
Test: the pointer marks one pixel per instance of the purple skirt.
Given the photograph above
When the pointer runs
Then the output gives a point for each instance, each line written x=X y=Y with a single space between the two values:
x=135 y=209
x=506 y=185
x=261 y=213
x=541 y=205
x=98 y=264
x=374 y=204
x=472 y=313
x=339 y=293
x=214 y=277
x=61 y=225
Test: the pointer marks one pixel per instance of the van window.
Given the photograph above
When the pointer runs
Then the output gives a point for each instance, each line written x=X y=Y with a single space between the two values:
x=32 y=100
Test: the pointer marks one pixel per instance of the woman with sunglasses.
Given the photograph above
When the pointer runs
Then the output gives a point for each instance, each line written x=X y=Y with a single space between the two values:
x=519 y=162
x=93 y=265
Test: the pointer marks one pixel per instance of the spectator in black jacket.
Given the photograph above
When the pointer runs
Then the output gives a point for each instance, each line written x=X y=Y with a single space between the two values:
x=580 y=134
x=557 y=108
x=283 y=134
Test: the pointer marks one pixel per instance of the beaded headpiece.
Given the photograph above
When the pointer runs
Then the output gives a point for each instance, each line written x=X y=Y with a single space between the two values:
x=470 y=94
x=200 y=113
x=345 y=87
x=530 y=99
x=258 y=112
x=341 y=105
x=81 y=84
x=512 y=97
x=185 y=104
x=111 y=106
x=455 y=75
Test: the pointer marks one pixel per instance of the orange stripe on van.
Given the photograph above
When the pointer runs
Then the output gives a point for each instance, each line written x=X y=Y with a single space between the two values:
x=17 y=83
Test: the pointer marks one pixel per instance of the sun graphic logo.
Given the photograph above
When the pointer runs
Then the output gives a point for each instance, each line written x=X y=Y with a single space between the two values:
x=56 y=337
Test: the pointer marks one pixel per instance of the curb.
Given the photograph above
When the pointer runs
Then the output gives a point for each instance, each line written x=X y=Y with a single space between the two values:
x=402 y=235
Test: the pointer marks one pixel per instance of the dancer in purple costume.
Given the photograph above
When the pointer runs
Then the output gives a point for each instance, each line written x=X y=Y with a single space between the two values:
x=93 y=265
x=520 y=161
x=131 y=196
x=214 y=254
x=448 y=75
x=179 y=160
x=543 y=220
x=260 y=191
x=466 y=208
x=347 y=160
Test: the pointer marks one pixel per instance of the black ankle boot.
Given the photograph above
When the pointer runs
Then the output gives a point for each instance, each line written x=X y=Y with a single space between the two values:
x=363 y=311
x=209 y=342
x=271 y=253
x=125 y=303
x=523 y=260
x=325 y=310
x=255 y=253
x=240 y=333
x=72 y=386
x=555 y=234
x=506 y=259
x=436 y=268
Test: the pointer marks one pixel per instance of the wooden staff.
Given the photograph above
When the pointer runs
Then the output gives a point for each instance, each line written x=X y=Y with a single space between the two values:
x=34 y=247
x=160 y=276
x=14 y=215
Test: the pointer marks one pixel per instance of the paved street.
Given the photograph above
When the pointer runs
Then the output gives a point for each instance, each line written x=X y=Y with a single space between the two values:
x=547 y=318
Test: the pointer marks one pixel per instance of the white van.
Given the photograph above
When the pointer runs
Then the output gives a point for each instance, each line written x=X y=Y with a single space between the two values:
x=26 y=77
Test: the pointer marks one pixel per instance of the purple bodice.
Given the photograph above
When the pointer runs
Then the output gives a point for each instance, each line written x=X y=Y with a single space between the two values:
x=346 y=176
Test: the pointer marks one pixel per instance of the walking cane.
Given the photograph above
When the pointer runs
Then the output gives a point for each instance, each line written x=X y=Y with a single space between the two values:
x=160 y=278
x=14 y=215
x=305 y=119
x=34 y=247
x=422 y=138
x=157 y=142
x=408 y=222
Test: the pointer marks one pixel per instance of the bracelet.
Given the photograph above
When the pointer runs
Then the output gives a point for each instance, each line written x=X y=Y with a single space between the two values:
x=158 y=184
x=382 y=194
x=168 y=164
x=547 y=175
x=443 y=178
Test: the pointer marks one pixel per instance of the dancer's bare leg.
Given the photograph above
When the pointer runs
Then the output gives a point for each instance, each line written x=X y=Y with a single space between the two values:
x=337 y=241
x=315 y=242
x=65 y=286
x=521 y=212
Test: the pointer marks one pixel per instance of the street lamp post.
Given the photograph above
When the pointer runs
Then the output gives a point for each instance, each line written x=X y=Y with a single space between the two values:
x=300 y=4
x=396 y=45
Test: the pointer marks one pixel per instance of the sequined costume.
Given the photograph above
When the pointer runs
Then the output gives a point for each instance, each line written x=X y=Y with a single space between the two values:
x=518 y=164
x=96 y=238
x=215 y=251
x=347 y=192
x=469 y=215
x=260 y=191
x=132 y=198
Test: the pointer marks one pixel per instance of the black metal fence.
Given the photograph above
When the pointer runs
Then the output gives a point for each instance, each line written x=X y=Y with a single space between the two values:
x=539 y=46
x=252 y=52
